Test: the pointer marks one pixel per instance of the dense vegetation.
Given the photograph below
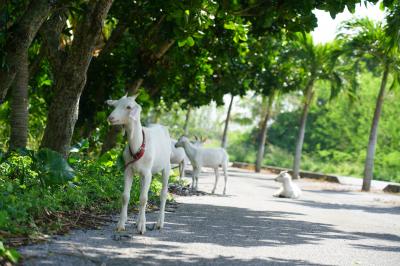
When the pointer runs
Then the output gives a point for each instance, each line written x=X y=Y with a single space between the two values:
x=60 y=60
x=42 y=193
x=337 y=132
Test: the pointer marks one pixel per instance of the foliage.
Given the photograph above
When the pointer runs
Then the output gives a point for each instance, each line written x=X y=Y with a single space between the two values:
x=338 y=131
x=241 y=147
x=9 y=254
x=96 y=187
x=368 y=41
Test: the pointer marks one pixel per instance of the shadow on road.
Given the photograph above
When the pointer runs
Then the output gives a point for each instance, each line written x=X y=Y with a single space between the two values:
x=222 y=226
x=221 y=260
x=200 y=224
x=338 y=206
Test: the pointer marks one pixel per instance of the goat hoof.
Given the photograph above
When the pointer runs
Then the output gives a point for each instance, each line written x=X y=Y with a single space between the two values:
x=213 y=192
x=120 y=228
x=142 y=230
x=141 y=227
x=159 y=225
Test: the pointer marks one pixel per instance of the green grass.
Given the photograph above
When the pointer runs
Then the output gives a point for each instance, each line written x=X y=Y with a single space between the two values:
x=325 y=162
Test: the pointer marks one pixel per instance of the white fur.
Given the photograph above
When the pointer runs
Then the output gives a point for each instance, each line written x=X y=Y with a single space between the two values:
x=178 y=156
x=288 y=189
x=156 y=158
x=204 y=157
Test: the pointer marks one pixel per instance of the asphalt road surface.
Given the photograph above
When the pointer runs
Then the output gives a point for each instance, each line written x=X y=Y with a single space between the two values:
x=330 y=224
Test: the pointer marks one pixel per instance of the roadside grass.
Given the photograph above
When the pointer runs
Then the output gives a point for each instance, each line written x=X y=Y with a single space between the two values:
x=325 y=162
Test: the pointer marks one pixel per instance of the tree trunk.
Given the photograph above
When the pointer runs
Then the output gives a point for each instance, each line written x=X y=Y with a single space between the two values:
x=228 y=116
x=19 y=105
x=300 y=139
x=19 y=39
x=134 y=87
x=373 y=136
x=50 y=34
x=263 y=135
x=110 y=139
x=186 y=125
x=71 y=79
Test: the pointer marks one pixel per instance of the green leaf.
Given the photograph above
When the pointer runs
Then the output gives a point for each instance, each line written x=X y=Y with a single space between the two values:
x=230 y=26
x=181 y=43
x=190 y=41
x=54 y=168
x=12 y=255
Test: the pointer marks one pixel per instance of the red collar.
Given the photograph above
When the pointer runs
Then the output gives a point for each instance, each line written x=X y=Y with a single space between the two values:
x=139 y=154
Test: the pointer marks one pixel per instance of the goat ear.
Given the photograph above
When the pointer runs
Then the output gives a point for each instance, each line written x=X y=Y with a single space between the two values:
x=111 y=102
x=135 y=113
x=196 y=138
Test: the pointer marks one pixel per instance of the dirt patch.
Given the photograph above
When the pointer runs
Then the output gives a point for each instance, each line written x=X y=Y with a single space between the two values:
x=185 y=190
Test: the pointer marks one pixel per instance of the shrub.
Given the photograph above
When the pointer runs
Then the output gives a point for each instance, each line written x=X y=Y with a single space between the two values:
x=36 y=184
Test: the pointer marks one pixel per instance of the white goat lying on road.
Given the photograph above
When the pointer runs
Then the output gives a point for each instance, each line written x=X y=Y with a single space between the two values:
x=178 y=156
x=148 y=152
x=288 y=189
x=204 y=157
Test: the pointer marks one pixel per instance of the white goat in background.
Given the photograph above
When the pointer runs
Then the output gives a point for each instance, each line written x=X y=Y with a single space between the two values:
x=178 y=156
x=288 y=189
x=205 y=157
x=148 y=152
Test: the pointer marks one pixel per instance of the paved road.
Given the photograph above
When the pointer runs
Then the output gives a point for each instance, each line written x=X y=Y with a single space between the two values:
x=329 y=225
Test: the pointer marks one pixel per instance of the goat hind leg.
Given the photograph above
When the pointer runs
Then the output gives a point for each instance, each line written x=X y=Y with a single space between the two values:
x=182 y=168
x=163 y=198
x=216 y=179
x=225 y=177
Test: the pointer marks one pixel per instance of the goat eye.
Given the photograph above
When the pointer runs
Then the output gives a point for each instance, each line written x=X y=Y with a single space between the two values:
x=128 y=107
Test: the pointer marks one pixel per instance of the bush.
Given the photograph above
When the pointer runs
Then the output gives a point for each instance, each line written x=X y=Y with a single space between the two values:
x=241 y=147
x=36 y=184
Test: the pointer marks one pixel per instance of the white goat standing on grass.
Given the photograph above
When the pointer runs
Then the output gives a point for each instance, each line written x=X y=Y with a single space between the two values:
x=288 y=189
x=204 y=157
x=178 y=156
x=148 y=152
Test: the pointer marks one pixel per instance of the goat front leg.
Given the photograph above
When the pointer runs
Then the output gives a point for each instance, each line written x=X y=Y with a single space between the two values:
x=278 y=193
x=216 y=179
x=125 y=199
x=163 y=197
x=144 y=192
